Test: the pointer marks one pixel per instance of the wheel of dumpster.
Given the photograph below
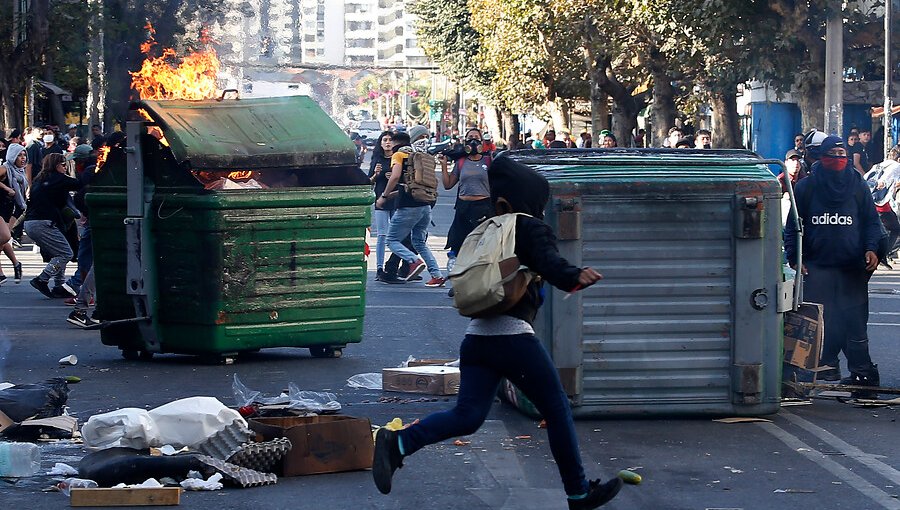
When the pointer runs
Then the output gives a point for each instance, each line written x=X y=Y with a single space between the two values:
x=136 y=355
x=326 y=352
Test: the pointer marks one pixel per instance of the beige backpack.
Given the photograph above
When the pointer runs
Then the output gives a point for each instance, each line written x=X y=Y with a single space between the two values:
x=487 y=277
x=419 y=176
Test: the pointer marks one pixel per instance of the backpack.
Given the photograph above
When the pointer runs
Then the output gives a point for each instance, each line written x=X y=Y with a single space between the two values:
x=884 y=245
x=487 y=277
x=419 y=176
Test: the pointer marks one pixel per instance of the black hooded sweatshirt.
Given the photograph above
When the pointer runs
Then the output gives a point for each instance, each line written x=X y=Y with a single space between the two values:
x=528 y=192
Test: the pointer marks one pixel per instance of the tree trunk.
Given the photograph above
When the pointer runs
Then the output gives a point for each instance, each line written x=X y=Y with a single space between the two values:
x=96 y=99
x=492 y=121
x=811 y=100
x=726 y=133
x=599 y=112
x=559 y=115
x=511 y=129
x=664 y=111
x=624 y=121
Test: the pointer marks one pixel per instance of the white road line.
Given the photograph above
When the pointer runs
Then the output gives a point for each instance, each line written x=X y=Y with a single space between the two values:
x=847 y=449
x=848 y=477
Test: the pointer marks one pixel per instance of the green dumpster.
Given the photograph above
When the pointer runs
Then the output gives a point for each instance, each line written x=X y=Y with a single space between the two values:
x=223 y=227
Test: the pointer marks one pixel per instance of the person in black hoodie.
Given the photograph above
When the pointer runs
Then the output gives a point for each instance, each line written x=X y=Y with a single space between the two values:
x=840 y=240
x=504 y=346
x=43 y=218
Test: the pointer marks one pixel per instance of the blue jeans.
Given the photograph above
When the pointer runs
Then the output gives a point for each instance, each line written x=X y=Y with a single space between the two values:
x=85 y=257
x=483 y=361
x=52 y=243
x=413 y=222
x=381 y=221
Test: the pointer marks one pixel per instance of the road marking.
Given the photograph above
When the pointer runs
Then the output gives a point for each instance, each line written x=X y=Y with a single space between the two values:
x=847 y=449
x=883 y=324
x=849 y=477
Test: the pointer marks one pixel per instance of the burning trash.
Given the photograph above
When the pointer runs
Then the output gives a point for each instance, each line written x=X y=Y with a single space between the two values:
x=167 y=76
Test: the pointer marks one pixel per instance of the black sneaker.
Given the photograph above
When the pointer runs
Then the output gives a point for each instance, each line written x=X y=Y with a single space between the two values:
x=386 y=460
x=391 y=278
x=59 y=292
x=3 y=279
x=871 y=378
x=598 y=494
x=828 y=373
x=41 y=286
x=379 y=275
x=17 y=272
x=80 y=318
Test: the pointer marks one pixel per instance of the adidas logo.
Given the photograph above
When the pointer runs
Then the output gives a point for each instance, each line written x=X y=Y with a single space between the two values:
x=831 y=219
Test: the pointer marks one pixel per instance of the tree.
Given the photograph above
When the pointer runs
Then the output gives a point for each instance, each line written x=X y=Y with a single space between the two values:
x=23 y=37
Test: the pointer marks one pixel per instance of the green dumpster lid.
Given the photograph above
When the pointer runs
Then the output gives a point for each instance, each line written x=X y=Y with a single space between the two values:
x=646 y=164
x=238 y=134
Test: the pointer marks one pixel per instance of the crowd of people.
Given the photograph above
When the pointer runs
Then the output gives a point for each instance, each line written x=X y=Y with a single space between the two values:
x=43 y=178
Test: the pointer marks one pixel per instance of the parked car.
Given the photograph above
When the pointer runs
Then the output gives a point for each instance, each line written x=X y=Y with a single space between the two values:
x=369 y=131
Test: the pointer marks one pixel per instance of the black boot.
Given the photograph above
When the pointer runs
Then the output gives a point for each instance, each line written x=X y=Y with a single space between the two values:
x=598 y=494
x=870 y=378
x=387 y=459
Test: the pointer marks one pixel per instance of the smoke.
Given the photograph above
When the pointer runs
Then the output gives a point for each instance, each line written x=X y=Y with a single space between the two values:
x=4 y=351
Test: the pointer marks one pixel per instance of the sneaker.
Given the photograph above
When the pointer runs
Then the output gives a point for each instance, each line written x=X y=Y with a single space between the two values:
x=41 y=286
x=415 y=268
x=3 y=279
x=872 y=378
x=391 y=278
x=416 y=278
x=17 y=244
x=80 y=318
x=17 y=272
x=828 y=373
x=886 y=265
x=71 y=301
x=59 y=292
x=386 y=460
x=68 y=288
x=451 y=292
x=436 y=282
x=598 y=494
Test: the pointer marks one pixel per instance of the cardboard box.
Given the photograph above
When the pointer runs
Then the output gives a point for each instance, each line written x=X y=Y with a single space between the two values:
x=433 y=380
x=429 y=362
x=804 y=331
x=320 y=444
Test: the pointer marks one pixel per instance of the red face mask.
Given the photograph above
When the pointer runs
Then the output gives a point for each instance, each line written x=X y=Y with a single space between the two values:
x=834 y=163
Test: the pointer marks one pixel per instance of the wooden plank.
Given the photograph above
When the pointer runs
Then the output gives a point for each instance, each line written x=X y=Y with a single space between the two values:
x=157 y=496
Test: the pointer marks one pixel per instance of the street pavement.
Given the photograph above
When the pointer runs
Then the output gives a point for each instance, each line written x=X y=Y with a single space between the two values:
x=827 y=455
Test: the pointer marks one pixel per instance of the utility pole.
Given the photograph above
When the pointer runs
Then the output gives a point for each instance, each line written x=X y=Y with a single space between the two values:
x=888 y=77
x=834 y=70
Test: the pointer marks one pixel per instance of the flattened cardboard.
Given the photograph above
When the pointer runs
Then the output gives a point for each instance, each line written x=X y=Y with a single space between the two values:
x=432 y=380
x=320 y=444
x=429 y=362
x=5 y=421
x=803 y=334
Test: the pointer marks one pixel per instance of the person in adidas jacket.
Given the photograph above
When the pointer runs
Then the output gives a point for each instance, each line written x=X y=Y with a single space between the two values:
x=841 y=231
x=504 y=346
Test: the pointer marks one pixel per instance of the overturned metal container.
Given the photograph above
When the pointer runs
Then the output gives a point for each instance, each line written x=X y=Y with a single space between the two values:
x=688 y=316
x=222 y=227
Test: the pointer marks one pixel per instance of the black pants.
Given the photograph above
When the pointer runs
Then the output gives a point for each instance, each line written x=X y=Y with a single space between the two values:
x=844 y=292
x=393 y=262
x=892 y=225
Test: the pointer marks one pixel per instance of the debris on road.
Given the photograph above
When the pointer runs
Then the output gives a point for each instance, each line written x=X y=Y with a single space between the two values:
x=793 y=491
x=145 y=496
x=742 y=420
x=629 y=477
x=212 y=483
x=294 y=399
x=62 y=469
x=71 y=360
x=368 y=381
x=433 y=380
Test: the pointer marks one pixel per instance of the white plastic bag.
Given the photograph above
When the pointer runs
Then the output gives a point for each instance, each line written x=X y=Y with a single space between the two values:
x=370 y=381
x=129 y=427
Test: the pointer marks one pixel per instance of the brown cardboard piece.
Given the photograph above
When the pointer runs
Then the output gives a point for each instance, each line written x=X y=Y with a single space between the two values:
x=320 y=444
x=804 y=331
x=429 y=362
x=5 y=421
x=433 y=380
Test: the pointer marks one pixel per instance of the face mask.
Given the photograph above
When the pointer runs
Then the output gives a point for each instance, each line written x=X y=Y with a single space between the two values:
x=707 y=146
x=48 y=138
x=473 y=147
x=834 y=163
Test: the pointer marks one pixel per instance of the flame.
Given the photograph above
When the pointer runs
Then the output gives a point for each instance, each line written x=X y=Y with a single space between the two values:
x=240 y=175
x=154 y=131
x=163 y=77
x=101 y=157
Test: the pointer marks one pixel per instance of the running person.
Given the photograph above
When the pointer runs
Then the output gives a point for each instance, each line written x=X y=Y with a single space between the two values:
x=12 y=203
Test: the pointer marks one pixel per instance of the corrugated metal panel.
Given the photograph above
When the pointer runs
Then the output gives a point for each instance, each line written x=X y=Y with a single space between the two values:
x=658 y=328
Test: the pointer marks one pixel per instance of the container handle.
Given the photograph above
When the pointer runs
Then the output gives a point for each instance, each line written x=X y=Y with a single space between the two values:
x=226 y=91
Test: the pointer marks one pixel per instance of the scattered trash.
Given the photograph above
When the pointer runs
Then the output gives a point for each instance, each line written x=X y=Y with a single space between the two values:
x=793 y=491
x=167 y=450
x=261 y=456
x=6 y=385
x=210 y=484
x=185 y=422
x=523 y=437
x=126 y=465
x=43 y=400
x=75 y=483
x=19 y=460
x=369 y=381
x=226 y=442
x=62 y=469
x=320 y=444
x=294 y=399
x=142 y=496
x=629 y=477
x=242 y=477
x=150 y=483
x=434 y=380
x=403 y=400
x=71 y=359
x=733 y=470
x=459 y=442
x=442 y=362
x=742 y=420
x=543 y=424
x=791 y=402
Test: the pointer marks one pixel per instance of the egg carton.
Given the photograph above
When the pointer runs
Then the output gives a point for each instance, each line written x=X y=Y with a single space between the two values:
x=261 y=456
x=238 y=475
x=226 y=442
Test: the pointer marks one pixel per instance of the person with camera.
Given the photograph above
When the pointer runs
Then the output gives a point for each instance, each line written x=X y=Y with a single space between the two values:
x=473 y=197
